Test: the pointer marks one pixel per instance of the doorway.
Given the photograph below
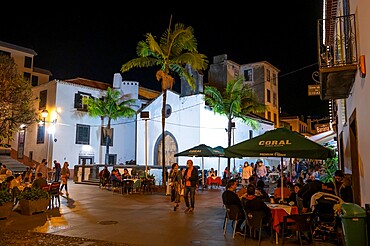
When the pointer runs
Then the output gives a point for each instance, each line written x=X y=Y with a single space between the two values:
x=355 y=167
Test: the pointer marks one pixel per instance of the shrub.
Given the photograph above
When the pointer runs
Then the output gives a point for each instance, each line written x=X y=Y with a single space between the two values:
x=33 y=194
x=5 y=196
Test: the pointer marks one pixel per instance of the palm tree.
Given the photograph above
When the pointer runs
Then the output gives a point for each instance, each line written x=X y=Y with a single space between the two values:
x=176 y=49
x=237 y=101
x=111 y=106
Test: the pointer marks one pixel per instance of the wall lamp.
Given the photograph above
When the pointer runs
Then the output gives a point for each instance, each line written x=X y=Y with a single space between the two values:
x=44 y=114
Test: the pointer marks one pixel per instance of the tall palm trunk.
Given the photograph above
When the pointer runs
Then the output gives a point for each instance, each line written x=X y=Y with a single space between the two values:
x=107 y=140
x=163 y=137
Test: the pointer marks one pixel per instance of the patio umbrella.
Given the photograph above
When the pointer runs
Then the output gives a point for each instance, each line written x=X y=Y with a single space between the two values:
x=201 y=150
x=280 y=142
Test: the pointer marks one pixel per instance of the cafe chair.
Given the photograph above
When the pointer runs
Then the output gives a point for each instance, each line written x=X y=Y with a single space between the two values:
x=147 y=185
x=128 y=185
x=232 y=213
x=45 y=188
x=299 y=223
x=117 y=186
x=54 y=194
x=254 y=221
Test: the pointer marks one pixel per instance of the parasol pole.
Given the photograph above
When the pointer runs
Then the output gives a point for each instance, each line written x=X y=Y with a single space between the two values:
x=281 y=180
x=290 y=171
x=218 y=168
x=202 y=172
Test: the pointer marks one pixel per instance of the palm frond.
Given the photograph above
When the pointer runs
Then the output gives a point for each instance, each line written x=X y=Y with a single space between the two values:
x=139 y=62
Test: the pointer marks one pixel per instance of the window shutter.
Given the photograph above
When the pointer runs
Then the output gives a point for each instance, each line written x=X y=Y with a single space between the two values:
x=78 y=101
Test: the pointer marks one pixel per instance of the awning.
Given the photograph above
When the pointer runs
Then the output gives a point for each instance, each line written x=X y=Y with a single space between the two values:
x=324 y=137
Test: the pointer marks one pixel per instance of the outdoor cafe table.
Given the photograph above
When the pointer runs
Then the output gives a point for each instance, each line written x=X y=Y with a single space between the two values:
x=278 y=212
x=214 y=180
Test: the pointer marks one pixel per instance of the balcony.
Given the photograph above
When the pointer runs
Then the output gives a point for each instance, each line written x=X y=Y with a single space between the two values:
x=337 y=53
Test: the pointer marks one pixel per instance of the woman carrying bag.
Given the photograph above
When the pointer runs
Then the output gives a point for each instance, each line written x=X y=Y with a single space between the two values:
x=175 y=185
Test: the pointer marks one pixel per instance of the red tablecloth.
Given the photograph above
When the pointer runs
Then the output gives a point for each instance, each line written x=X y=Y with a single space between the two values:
x=214 y=180
x=278 y=212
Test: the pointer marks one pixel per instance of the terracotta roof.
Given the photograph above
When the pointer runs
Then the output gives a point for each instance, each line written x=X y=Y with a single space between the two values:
x=148 y=93
x=90 y=83
x=143 y=92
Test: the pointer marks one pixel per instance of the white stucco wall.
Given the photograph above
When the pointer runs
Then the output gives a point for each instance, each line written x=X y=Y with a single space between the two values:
x=191 y=123
x=358 y=101
x=62 y=145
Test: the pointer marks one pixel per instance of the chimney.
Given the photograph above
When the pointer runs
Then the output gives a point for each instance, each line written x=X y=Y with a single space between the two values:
x=117 y=80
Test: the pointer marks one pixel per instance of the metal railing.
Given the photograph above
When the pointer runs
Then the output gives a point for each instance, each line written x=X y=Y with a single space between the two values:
x=337 y=41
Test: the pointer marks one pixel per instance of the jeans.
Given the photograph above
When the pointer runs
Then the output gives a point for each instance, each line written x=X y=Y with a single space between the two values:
x=191 y=190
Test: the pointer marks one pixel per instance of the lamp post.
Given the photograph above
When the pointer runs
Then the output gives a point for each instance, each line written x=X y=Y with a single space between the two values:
x=145 y=116
x=44 y=115
x=233 y=136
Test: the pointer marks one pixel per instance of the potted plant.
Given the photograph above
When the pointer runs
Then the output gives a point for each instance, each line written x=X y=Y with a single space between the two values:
x=6 y=203
x=33 y=200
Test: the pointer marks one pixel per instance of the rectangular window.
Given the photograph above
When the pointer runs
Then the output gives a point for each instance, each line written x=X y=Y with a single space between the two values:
x=27 y=76
x=78 y=101
x=82 y=134
x=268 y=75
x=27 y=62
x=275 y=118
x=274 y=99
x=104 y=137
x=269 y=115
x=35 y=80
x=248 y=75
x=5 y=53
x=250 y=134
x=274 y=78
x=40 y=134
x=43 y=99
x=268 y=95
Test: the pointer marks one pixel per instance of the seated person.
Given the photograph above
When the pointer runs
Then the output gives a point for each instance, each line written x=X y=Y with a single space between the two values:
x=251 y=202
x=260 y=191
x=294 y=199
x=15 y=186
x=114 y=177
x=126 y=174
x=211 y=173
x=104 y=175
x=229 y=197
x=39 y=181
x=278 y=190
x=307 y=191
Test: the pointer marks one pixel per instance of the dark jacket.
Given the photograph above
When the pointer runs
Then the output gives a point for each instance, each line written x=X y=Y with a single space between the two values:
x=231 y=198
x=193 y=178
x=308 y=190
x=39 y=182
x=255 y=203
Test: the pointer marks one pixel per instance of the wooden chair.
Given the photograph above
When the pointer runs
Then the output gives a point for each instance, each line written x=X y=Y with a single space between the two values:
x=117 y=186
x=300 y=223
x=45 y=188
x=54 y=194
x=232 y=214
x=255 y=221
x=128 y=185
x=147 y=185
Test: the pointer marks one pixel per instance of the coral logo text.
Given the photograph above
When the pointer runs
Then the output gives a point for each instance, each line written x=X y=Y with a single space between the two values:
x=274 y=143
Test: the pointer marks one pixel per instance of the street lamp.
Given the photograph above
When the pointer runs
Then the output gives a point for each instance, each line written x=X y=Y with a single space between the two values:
x=145 y=116
x=44 y=115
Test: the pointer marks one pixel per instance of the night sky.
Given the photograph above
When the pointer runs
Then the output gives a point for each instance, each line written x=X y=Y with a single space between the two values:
x=94 y=41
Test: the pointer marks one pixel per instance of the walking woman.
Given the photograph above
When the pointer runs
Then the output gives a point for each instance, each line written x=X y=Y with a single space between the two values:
x=65 y=173
x=176 y=185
